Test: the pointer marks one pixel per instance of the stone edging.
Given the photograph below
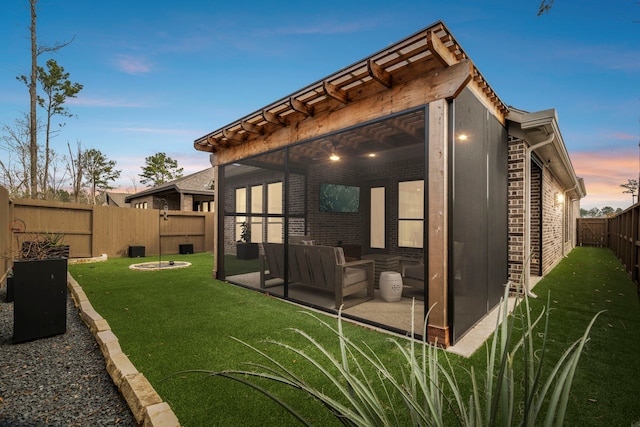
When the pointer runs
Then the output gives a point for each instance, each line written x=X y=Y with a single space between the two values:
x=145 y=403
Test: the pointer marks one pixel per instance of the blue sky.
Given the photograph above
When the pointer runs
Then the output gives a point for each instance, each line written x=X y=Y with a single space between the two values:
x=159 y=74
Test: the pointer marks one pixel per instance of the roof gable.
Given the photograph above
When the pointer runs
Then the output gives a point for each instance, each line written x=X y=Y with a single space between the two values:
x=197 y=183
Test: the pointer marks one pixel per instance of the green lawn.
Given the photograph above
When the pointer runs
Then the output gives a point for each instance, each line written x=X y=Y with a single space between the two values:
x=175 y=320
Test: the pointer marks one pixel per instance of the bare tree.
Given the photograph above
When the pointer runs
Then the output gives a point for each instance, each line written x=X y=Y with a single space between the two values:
x=16 y=172
x=134 y=183
x=54 y=177
x=75 y=168
x=31 y=83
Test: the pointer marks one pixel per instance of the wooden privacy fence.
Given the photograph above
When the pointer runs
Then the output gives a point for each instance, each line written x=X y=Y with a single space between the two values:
x=95 y=230
x=624 y=239
x=593 y=231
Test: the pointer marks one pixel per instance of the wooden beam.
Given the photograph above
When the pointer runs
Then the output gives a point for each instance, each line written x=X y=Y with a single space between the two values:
x=232 y=136
x=300 y=107
x=439 y=50
x=204 y=148
x=436 y=185
x=378 y=73
x=272 y=118
x=334 y=92
x=251 y=128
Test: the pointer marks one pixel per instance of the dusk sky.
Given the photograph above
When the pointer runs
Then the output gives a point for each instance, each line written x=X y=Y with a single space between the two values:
x=159 y=74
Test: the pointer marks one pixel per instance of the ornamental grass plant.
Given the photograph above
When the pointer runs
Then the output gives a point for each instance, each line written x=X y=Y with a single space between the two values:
x=359 y=389
x=182 y=320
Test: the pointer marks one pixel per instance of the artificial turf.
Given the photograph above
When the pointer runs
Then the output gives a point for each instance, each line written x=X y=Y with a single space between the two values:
x=175 y=320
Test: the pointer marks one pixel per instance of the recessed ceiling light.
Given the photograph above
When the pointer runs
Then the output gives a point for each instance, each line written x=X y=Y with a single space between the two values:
x=372 y=154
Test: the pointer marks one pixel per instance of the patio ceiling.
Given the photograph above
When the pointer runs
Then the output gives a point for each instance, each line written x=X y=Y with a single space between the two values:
x=430 y=49
x=394 y=138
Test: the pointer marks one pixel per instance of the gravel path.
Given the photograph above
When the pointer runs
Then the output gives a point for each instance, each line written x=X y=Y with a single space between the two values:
x=56 y=381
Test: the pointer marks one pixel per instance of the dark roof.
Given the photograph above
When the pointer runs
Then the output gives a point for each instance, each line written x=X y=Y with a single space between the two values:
x=196 y=183
x=118 y=199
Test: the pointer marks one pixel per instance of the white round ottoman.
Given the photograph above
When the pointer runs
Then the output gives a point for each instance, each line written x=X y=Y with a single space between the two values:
x=390 y=286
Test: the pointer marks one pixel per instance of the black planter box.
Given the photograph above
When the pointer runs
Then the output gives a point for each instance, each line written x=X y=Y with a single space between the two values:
x=247 y=250
x=136 y=251
x=39 y=298
x=186 y=248
x=9 y=296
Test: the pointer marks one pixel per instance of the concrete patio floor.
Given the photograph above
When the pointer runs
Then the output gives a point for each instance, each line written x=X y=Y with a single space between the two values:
x=376 y=311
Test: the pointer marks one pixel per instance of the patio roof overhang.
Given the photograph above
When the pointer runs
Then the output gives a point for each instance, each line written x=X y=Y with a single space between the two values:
x=539 y=126
x=424 y=52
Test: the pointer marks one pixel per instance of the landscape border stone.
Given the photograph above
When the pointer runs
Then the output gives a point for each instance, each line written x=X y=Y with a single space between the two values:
x=145 y=403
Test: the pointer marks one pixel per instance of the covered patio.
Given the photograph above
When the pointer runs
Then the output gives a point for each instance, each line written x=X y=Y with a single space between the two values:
x=396 y=163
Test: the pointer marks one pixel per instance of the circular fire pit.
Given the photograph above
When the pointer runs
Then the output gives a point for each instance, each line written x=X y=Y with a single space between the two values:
x=157 y=265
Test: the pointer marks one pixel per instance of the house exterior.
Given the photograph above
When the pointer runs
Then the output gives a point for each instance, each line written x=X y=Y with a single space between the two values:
x=544 y=195
x=407 y=157
x=116 y=199
x=191 y=193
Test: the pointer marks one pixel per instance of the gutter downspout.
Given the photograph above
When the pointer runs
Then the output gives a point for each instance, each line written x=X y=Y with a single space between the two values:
x=527 y=214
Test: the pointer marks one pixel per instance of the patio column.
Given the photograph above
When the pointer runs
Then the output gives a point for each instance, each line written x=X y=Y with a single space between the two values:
x=218 y=202
x=437 y=214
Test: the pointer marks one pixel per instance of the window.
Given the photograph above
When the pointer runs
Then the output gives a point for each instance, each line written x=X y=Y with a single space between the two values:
x=377 y=231
x=256 y=208
x=261 y=222
x=274 y=207
x=241 y=207
x=411 y=214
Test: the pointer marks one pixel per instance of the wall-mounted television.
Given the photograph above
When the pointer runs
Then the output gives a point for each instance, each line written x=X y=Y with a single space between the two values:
x=339 y=198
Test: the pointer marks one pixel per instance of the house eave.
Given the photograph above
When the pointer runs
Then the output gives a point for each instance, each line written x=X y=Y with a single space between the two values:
x=538 y=126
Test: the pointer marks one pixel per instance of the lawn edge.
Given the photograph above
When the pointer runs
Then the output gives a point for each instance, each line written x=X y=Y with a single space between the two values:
x=145 y=403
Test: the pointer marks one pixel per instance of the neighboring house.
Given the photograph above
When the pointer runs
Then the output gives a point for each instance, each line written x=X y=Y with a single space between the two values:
x=116 y=199
x=191 y=193
x=432 y=168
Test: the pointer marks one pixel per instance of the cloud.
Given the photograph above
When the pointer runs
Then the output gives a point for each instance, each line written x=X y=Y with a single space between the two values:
x=621 y=136
x=102 y=102
x=132 y=64
x=603 y=173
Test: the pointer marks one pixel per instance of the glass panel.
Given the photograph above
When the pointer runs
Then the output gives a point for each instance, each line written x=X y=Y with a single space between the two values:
x=411 y=200
x=256 y=229
x=378 y=218
x=239 y=221
x=274 y=230
x=256 y=199
x=410 y=234
x=241 y=200
x=274 y=198
x=411 y=214
x=247 y=181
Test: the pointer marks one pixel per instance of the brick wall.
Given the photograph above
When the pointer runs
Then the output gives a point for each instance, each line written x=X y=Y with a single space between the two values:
x=186 y=203
x=328 y=228
x=535 y=237
x=546 y=232
x=516 y=177
x=552 y=233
